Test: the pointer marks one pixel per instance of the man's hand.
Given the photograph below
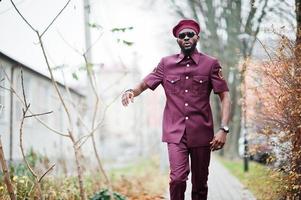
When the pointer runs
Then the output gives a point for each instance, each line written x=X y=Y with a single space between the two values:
x=218 y=141
x=127 y=97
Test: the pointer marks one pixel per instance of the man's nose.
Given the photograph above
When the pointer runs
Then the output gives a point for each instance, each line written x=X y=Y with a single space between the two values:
x=186 y=38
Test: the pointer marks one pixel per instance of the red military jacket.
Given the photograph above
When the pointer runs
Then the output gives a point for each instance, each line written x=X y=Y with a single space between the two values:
x=188 y=82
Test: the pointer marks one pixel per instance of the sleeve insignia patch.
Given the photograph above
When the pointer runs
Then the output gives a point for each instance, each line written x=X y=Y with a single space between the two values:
x=220 y=74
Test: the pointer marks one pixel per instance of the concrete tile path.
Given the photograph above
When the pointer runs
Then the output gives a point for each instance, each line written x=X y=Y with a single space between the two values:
x=222 y=185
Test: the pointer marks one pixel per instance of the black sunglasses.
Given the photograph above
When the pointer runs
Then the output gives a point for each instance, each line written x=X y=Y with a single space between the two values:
x=183 y=35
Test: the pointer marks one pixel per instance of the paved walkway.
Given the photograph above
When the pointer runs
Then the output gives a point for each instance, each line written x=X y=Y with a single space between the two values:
x=222 y=185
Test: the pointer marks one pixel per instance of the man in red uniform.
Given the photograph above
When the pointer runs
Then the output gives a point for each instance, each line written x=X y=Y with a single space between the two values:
x=188 y=79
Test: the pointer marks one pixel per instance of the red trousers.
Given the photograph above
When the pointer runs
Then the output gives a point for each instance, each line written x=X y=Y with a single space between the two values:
x=179 y=170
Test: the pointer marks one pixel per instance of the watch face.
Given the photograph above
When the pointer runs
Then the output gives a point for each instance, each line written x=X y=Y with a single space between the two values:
x=226 y=128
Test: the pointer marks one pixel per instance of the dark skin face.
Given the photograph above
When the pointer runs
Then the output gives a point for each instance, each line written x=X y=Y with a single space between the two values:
x=187 y=44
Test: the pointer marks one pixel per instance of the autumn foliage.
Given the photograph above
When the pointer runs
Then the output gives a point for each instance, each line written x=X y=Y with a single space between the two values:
x=278 y=111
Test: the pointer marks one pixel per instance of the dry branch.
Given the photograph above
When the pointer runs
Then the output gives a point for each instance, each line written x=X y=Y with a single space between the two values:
x=25 y=110
x=10 y=187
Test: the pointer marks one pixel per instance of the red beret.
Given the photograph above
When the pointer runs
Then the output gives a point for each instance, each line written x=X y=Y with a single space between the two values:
x=186 y=23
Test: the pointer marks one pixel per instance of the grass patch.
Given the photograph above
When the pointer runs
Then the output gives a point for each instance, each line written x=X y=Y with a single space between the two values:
x=262 y=181
x=136 y=168
x=141 y=179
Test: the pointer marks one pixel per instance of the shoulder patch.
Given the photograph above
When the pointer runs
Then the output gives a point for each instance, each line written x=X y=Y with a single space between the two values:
x=220 y=74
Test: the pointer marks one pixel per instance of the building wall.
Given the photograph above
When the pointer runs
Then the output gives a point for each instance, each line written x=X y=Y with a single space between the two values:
x=5 y=102
x=42 y=97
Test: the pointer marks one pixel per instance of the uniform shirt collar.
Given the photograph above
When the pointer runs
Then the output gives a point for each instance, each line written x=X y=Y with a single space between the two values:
x=195 y=56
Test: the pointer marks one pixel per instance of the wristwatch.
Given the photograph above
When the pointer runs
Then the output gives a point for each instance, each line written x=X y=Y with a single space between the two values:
x=129 y=90
x=224 y=128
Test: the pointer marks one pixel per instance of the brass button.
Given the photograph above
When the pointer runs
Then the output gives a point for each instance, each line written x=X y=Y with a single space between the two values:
x=187 y=77
x=186 y=90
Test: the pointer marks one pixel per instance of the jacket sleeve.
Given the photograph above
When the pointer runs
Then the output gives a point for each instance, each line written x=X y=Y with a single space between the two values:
x=155 y=78
x=218 y=82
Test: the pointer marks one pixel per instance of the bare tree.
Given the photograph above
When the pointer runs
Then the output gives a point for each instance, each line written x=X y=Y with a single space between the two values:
x=71 y=135
x=37 y=192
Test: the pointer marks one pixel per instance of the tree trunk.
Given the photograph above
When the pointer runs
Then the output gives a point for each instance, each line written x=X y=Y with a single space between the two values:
x=298 y=32
x=296 y=151
x=298 y=19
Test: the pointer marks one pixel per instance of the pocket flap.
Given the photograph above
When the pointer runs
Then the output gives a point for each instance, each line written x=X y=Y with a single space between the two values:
x=172 y=78
x=200 y=79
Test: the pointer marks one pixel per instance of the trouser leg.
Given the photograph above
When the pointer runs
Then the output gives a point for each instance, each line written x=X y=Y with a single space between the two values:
x=179 y=169
x=200 y=159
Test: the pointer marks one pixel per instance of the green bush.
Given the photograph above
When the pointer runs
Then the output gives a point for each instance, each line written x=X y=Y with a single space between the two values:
x=105 y=195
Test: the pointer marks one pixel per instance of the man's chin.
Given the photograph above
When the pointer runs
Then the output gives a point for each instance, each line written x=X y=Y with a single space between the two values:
x=187 y=51
x=187 y=48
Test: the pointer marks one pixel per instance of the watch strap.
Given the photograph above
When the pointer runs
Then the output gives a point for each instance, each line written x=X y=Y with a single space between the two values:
x=224 y=129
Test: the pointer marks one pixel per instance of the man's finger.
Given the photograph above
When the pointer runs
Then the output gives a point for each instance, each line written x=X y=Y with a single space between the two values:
x=212 y=140
x=125 y=102
x=213 y=145
x=219 y=145
x=128 y=98
x=216 y=145
x=132 y=99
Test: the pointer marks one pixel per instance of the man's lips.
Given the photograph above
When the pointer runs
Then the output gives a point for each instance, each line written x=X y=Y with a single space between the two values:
x=187 y=44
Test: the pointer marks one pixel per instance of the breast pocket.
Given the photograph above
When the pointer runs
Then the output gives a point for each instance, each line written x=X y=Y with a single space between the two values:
x=200 y=85
x=172 y=83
